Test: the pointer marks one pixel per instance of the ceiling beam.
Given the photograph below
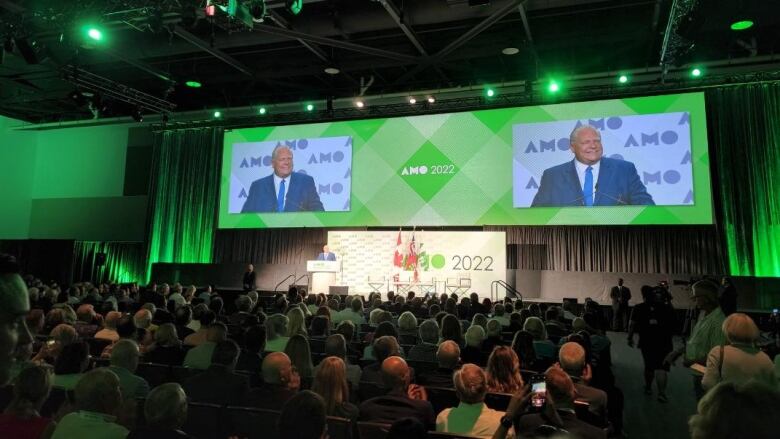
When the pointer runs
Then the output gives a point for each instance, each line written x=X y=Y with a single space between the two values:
x=216 y=53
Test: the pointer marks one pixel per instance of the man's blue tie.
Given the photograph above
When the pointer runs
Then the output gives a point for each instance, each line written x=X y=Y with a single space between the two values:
x=587 y=191
x=280 y=198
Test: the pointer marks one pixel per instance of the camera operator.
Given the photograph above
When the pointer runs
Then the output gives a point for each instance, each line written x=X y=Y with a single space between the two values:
x=653 y=320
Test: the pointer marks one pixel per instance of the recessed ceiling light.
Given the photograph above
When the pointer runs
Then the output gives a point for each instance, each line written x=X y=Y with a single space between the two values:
x=412 y=100
x=510 y=51
x=332 y=70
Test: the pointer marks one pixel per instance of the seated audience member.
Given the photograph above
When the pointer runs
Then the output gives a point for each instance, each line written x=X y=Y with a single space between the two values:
x=740 y=360
x=109 y=331
x=523 y=345
x=407 y=328
x=86 y=325
x=425 y=350
x=516 y=321
x=143 y=321
x=250 y=359
x=71 y=364
x=737 y=410
x=303 y=417
x=126 y=330
x=36 y=321
x=165 y=412
x=503 y=371
x=561 y=393
x=543 y=347
x=451 y=329
x=500 y=314
x=296 y=322
x=493 y=336
x=336 y=346
x=330 y=382
x=473 y=352
x=280 y=383
x=347 y=329
x=166 y=348
x=276 y=333
x=300 y=356
x=572 y=360
x=403 y=400
x=200 y=336
x=98 y=400
x=243 y=317
x=124 y=362
x=384 y=347
x=479 y=319
x=62 y=335
x=448 y=357
x=353 y=313
x=197 y=313
x=383 y=329
x=471 y=417
x=21 y=418
x=182 y=319
x=320 y=327
x=199 y=357
x=407 y=428
x=219 y=384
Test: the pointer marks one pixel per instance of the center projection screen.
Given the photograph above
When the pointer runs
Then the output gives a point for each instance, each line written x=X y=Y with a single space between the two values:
x=634 y=161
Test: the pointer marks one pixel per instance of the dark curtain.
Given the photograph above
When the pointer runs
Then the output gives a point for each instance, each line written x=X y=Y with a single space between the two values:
x=744 y=127
x=184 y=195
x=124 y=261
x=46 y=259
x=690 y=249
x=269 y=246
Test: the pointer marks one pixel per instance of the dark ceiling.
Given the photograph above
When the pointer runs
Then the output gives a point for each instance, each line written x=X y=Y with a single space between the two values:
x=152 y=47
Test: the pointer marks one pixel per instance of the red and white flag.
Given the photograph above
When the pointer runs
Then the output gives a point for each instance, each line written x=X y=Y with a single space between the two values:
x=398 y=258
x=411 y=259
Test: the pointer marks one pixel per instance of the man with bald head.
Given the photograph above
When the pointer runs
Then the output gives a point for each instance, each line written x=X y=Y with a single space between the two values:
x=471 y=417
x=591 y=179
x=14 y=306
x=402 y=401
x=98 y=401
x=280 y=383
x=560 y=391
x=283 y=190
x=571 y=358
x=448 y=357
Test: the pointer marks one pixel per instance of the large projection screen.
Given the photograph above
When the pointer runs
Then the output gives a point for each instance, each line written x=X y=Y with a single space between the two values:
x=510 y=166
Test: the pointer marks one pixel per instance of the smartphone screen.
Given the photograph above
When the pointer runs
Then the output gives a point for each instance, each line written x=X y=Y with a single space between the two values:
x=538 y=392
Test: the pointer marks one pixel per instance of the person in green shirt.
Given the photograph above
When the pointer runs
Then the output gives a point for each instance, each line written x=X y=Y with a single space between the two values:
x=98 y=398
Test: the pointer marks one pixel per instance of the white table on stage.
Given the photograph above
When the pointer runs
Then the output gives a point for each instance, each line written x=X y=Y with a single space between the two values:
x=323 y=275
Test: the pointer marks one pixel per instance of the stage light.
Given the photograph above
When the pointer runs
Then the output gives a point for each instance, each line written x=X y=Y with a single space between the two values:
x=623 y=79
x=696 y=72
x=553 y=87
x=741 y=25
x=261 y=110
x=193 y=84
x=332 y=70
x=95 y=34
x=294 y=6
x=489 y=92
x=510 y=51
x=257 y=10
x=309 y=107
x=217 y=114
x=431 y=99
x=210 y=10
x=412 y=100
x=359 y=104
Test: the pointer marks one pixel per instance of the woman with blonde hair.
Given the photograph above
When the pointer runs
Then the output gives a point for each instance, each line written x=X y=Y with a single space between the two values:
x=300 y=356
x=296 y=322
x=739 y=360
x=503 y=371
x=330 y=383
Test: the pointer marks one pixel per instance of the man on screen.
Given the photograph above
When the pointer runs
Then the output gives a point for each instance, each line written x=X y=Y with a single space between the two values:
x=326 y=254
x=284 y=190
x=591 y=179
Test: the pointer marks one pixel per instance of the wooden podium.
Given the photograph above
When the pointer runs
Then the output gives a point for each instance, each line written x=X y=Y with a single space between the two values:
x=323 y=275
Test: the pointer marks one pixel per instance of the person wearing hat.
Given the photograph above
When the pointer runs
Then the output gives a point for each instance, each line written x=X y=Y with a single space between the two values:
x=707 y=333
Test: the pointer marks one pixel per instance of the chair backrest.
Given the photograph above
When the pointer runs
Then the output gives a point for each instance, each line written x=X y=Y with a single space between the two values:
x=371 y=389
x=57 y=397
x=155 y=374
x=180 y=374
x=6 y=395
x=442 y=398
x=252 y=423
x=498 y=401
x=204 y=420
x=372 y=430
x=96 y=345
x=422 y=366
x=443 y=435
x=339 y=428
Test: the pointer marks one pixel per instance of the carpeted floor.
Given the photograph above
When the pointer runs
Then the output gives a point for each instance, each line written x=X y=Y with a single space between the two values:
x=644 y=416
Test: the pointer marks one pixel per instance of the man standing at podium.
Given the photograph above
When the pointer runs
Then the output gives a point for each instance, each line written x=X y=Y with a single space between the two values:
x=326 y=254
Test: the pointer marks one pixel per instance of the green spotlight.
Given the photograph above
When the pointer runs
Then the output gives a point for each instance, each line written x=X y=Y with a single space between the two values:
x=553 y=87
x=489 y=92
x=741 y=25
x=623 y=79
x=217 y=114
x=696 y=72
x=193 y=84
x=95 y=34
x=309 y=107
x=261 y=110
x=294 y=6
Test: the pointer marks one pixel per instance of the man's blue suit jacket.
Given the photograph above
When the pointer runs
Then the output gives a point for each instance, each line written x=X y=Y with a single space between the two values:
x=301 y=196
x=326 y=256
x=618 y=184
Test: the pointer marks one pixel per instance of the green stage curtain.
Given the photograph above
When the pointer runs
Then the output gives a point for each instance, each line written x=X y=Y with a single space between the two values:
x=124 y=261
x=184 y=195
x=744 y=127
